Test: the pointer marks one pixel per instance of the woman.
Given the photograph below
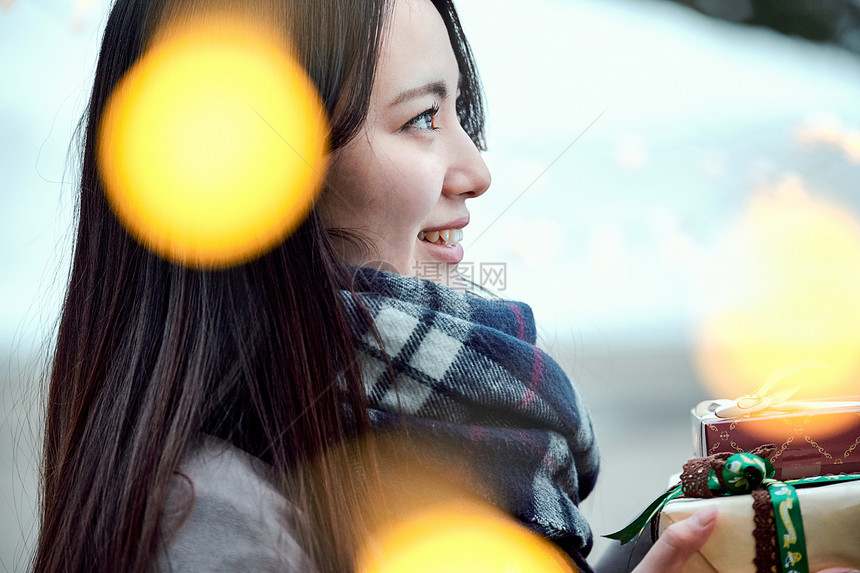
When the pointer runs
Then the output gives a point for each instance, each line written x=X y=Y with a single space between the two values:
x=196 y=417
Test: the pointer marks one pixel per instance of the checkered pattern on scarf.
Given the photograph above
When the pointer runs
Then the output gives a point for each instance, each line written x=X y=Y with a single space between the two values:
x=468 y=375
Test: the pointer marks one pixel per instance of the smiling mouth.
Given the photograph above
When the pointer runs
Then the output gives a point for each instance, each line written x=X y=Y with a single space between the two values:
x=448 y=237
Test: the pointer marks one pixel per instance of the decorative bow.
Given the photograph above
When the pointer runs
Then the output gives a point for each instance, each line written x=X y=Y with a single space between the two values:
x=766 y=397
x=776 y=503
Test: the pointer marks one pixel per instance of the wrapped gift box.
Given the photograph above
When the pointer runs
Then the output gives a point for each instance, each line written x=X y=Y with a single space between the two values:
x=810 y=442
x=831 y=521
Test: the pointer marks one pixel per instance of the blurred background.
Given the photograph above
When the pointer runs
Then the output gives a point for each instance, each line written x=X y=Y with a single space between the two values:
x=674 y=192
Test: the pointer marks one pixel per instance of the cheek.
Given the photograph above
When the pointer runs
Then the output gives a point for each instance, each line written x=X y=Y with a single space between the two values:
x=350 y=194
x=414 y=190
x=390 y=189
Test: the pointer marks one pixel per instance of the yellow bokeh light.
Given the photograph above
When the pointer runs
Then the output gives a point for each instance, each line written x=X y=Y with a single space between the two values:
x=212 y=147
x=782 y=288
x=828 y=130
x=465 y=536
x=851 y=145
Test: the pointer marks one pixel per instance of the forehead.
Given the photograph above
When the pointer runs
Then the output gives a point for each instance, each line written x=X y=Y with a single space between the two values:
x=416 y=49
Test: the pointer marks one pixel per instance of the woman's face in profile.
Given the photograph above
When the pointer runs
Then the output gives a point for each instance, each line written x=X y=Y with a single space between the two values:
x=407 y=174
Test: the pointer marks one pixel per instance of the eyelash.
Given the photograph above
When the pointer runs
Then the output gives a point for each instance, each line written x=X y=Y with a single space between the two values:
x=431 y=112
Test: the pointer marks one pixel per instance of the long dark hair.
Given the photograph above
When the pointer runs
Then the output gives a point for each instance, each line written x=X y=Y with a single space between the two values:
x=151 y=354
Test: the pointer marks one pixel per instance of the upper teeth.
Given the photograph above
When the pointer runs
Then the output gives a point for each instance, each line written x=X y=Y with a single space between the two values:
x=447 y=236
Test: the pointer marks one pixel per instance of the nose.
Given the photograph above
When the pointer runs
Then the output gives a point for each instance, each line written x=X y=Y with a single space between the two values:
x=467 y=175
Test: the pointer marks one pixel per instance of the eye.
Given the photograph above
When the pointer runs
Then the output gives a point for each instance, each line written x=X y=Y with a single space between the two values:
x=425 y=119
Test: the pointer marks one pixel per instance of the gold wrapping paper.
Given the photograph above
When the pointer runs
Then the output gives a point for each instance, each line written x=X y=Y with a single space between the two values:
x=831 y=520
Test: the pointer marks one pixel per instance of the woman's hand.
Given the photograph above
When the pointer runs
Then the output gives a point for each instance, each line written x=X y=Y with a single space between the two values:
x=678 y=543
x=681 y=540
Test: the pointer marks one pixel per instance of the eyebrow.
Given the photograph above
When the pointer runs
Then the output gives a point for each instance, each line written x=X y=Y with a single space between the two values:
x=438 y=89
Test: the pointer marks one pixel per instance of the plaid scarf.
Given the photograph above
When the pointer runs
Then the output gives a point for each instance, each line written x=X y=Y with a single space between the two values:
x=468 y=375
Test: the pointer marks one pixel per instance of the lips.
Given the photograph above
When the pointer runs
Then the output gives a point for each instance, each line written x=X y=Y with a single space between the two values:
x=452 y=255
x=442 y=242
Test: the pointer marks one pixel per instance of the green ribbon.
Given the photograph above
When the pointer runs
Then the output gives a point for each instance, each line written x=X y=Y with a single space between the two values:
x=742 y=473
x=789 y=527
x=636 y=527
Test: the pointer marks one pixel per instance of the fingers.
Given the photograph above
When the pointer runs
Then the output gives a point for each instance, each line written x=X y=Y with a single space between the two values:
x=679 y=542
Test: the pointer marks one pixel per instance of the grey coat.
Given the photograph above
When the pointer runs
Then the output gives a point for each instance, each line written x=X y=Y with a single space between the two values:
x=235 y=519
